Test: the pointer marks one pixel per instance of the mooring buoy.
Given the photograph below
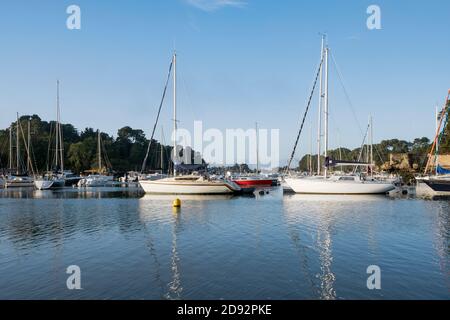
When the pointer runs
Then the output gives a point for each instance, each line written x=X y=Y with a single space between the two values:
x=176 y=203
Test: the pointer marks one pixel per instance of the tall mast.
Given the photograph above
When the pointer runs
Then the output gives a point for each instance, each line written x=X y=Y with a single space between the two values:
x=99 y=142
x=29 y=144
x=162 y=149
x=10 y=162
x=17 y=145
x=174 y=112
x=371 y=145
x=438 y=116
x=257 y=148
x=61 y=142
x=311 y=152
x=57 y=127
x=319 y=126
x=326 y=107
x=368 y=142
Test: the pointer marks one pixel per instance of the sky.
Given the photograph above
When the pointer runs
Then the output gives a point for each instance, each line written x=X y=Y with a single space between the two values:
x=239 y=62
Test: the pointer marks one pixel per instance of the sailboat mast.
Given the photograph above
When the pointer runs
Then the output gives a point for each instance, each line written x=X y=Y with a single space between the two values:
x=371 y=143
x=57 y=128
x=437 y=142
x=311 y=152
x=99 y=151
x=60 y=147
x=174 y=112
x=257 y=148
x=29 y=144
x=10 y=165
x=319 y=126
x=17 y=145
x=326 y=107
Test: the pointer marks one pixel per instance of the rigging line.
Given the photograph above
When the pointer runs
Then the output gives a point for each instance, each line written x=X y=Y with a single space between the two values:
x=187 y=95
x=362 y=147
x=26 y=149
x=49 y=146
x=347 y=96
x=304 y=116
x=144 y=164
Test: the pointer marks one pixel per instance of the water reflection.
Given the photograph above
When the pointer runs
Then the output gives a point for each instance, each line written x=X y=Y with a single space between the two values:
x=197 y=198
x=315 y=217
x=174 y=287
x=442 y=238
x=72 y=193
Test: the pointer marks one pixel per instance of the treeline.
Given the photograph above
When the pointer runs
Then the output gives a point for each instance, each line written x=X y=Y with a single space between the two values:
x=418 y=151
x=122 y=153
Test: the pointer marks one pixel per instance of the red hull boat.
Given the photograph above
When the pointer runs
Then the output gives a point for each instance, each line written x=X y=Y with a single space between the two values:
x=253 y=182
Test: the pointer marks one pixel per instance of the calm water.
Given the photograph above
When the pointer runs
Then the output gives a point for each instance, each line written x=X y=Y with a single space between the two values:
x=131 y=246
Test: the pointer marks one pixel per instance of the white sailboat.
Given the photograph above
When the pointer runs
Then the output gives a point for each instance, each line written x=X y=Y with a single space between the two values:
x=333 y=184
x=97 y=179
x=16 y=180
x=189 y=184
x=54 y=180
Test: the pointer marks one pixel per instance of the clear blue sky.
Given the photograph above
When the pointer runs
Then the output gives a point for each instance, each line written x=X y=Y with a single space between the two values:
x=239 y=62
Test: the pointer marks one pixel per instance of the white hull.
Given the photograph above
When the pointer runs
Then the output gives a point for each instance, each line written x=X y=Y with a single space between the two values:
x=96 y=181
x=49 y=184
x=19 y=182
x=319 y=185
x=173 y=186
x=425 y=190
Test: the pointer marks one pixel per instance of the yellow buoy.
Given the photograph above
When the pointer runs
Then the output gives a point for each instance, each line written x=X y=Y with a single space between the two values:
x=177 y=203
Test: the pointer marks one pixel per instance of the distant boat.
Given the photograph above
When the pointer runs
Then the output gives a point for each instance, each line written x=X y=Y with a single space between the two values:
x=19 y=179
x=334 y=183
x=49 y=182
x=16 y=181
x=190 y=184
x=437 y=184
x=252 y=181
x=57 y=178
x=97 y=178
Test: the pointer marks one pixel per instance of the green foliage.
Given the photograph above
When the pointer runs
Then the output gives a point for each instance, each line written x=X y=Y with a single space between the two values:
x=125 y=152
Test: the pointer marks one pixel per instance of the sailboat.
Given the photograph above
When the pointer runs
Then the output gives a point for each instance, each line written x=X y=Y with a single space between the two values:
x=97 y=178
x=17 y=179
x=437 y=184
x=54 y=179
x=253 y=180
x=186 y=184
x=333 y=184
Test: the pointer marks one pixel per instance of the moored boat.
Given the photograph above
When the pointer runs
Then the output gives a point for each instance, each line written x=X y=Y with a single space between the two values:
x=334 y=183
x=252 y=181
x=338 y=185
x=49 y=182
x=185 y=184
x=18 y=182
x=190 y=184
x=437 y=184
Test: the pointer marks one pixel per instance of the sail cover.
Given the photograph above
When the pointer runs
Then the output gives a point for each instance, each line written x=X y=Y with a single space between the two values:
x=441 y=170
